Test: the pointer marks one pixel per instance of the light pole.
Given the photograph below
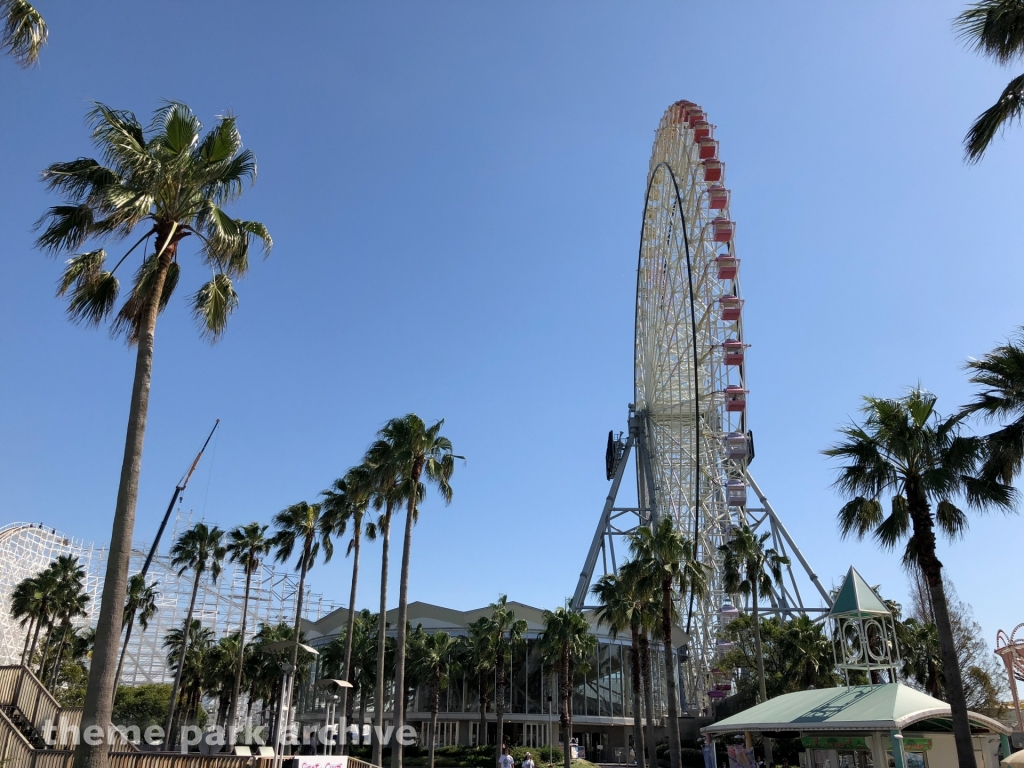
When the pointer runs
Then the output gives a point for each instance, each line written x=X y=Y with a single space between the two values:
x=286 y=671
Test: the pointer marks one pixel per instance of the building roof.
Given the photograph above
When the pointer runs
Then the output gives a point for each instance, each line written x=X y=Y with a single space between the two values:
x=436 y=617
x=857 y=708
x=857 y=599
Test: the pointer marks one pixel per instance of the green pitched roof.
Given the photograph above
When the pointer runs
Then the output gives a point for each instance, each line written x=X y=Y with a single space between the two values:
x=856 y=598
x=859 y=707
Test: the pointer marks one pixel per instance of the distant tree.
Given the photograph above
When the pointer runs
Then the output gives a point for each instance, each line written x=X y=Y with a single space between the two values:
x=480 y=664
x=567 y=645
x=507 y=633
x=438 y=658
x=139 y=603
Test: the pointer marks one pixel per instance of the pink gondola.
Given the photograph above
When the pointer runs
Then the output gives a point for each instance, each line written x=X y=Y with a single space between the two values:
x=734 y=352
x=718 y=197
x=708 y=149
x=735 y=399
x=724 y=230
x=731 y=307
x=702 y=130
x=714 y=170
x=727 y=267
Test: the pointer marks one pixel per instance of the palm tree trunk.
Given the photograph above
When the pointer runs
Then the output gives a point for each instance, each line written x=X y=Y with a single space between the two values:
x=186 y=631
x=645 y=663
x=28 y=639
x=236 y=689
x=760 y=663
x=670 y=673
x=124 y=652
x=60 y=655
x=382 y=625
x=403 y=612
x=931 y=566
x=499 y=704
x=435 y=705
x=287 y=700
x=47 y=643
x=99 y=696
x=35 y=639
x=565 y=716
x=350 y=629
x=481 y=736
x=638 y=730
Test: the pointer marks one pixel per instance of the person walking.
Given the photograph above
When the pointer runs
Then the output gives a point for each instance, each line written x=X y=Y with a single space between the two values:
x=528 y=762
x=505 y=761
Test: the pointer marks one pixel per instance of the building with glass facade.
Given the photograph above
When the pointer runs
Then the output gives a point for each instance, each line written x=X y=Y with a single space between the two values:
x=602 y=695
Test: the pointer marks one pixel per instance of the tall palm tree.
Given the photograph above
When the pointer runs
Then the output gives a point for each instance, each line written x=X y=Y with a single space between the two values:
x=507 y=633
x=68 y=602
x=71 y=604
x=386 y=496
x=567 y=645
x=480 y=663
x=670 y=559
x=621 y=609
x=139 y=603
x=993 y=28
x=905 y=449
x=169 y=184
x=199 y=549
x=439 y=658
x=24 y=31
x=45 y=591
x=24 y=609
x=307 y=526
x=247 y=545
x=750 y=569
x=811 y=652
x=649 y=614
x=346 y=501
x=417 y=452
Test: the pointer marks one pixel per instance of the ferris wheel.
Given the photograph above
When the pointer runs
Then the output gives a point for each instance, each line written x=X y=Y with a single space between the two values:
x=688 y=421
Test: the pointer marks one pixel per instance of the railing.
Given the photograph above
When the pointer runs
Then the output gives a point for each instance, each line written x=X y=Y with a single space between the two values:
x=63 y=758
x=20 y=687
x=16 y=750
x=355 y=762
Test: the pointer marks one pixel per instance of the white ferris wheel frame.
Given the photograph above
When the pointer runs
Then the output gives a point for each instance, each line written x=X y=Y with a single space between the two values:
x=685 y=420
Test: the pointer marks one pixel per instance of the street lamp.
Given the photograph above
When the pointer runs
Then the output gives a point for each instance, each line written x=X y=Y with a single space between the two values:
x=550 y=744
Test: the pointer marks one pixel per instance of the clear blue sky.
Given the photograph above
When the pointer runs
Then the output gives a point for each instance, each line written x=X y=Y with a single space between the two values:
x=455 y=190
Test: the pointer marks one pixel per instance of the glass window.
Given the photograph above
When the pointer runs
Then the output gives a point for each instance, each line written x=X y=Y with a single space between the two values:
x=534 y=680
x=517 y=678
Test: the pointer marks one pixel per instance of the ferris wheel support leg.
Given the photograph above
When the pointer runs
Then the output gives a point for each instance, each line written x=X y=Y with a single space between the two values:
x=785 y=534
x=646 y=470
x=597 y=545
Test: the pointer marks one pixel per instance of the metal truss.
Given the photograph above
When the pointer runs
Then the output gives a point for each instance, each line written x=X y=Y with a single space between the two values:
x=26 y=549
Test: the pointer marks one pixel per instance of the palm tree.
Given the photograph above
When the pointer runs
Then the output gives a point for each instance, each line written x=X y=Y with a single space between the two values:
x=922 y=655
x=44 y=592
x=71 y=604
x=24 y=31
x=416 y=451
x=506 y=634
x=187 y=654
x=648 y=597
x=248 y=546
x=621 y=609
x=905 y=449
x=811 y=652
x=346 y=501
x=173 y=183
x=567 y=645
x=480 y=662
x=750 y=569
x=198 y=549
x=307 y=526
x=386 y=495
x=139 y=603
x=68 y=602
x=439 y=658
x=670 y=560
x=24 y=609
x=993 y=28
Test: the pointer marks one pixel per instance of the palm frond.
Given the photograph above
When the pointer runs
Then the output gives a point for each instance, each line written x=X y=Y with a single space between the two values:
x=177 y=128
x=130 y=317
x=121 y=140
x=1008 y=108
x=213 y=304
x=859 y=517
x=24 y=31
x=66 y=227
x=994 y=28
x=79 y=178
x=893 y=528
x=93 y=290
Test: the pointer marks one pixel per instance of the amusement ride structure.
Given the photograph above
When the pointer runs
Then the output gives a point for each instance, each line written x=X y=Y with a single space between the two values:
x=1010 y=649
x=688 y=425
